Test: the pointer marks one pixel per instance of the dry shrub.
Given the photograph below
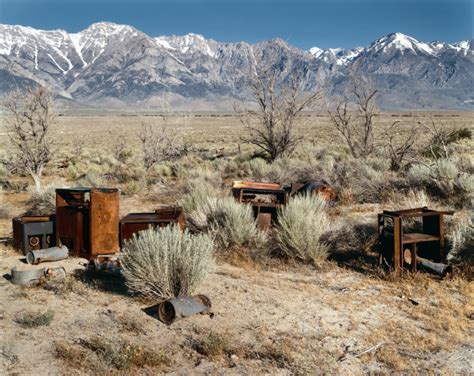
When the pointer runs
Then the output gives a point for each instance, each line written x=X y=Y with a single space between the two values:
x=299 y=229
x=107 y=355
x=167 y=262
x=460 y=234
x=5 y=210
x=212 y=345
x=449 y=179
x=122 y=354
x=35 y=319
x=43 y=201
x=198 y=189
x=230 y=223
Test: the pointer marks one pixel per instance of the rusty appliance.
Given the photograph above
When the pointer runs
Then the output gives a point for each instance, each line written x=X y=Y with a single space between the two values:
x=135 y=222
x=32 y=232
x=314 y=188
x=265 y=198
x=87 y=221
x=425 y=245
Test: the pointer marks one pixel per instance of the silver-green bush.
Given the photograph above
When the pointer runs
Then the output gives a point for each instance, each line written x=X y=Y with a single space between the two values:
x=230 y=223
x=299 y=229
x=167 y=262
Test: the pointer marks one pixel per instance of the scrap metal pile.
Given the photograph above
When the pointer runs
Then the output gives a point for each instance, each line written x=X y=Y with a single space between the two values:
x=86 y=224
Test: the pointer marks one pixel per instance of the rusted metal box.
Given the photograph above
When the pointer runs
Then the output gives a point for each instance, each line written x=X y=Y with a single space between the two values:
x=32 y=232
x=395 y=241
x=87 y=221
x=265 y=199
x=135 y=222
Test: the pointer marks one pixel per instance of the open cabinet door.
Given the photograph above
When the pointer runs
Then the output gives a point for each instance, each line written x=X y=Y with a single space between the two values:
x=104 y=222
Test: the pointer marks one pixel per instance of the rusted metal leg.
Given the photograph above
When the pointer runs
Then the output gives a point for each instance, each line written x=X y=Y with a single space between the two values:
x=413 y=257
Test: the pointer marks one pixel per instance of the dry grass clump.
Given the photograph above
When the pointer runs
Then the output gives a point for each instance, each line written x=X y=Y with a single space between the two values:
x=34 y=319
x=5 y=210
x=212 y=345
x=230 y=223
x=167 y=262
x=103 y=355
x=62 y=287
x=42 y=202
x=300 y=227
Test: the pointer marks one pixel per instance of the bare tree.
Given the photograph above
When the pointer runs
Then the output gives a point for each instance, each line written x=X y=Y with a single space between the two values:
x=400 y=141
x=357 y=127
x=271 y=126
x=30 y=116
x=159 y=142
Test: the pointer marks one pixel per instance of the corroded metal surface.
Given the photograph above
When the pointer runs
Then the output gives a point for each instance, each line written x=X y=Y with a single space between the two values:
x=33 y=232
x=87 y=220
x=135 y=222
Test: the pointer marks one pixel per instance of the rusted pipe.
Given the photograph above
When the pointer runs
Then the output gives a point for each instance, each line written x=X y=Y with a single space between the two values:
x=48 y=254
x=436 y=267
x=26 y=277
x=55 y=273
x=175 y=309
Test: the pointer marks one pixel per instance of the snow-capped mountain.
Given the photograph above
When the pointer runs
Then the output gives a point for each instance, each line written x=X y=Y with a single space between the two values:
x=117 y=65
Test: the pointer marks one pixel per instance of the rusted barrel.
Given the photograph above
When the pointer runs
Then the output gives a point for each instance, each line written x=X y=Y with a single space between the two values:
x=48 y=254
x=175 y=309
x=26 y=277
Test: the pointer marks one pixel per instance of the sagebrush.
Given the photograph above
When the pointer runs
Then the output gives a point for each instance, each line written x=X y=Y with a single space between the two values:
x=167 y=262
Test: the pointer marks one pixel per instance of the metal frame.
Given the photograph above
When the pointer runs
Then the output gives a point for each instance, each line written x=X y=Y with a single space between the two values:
x=393 y=242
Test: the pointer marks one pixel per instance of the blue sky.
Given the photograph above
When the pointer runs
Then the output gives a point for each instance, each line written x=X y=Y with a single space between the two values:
x=303 y=23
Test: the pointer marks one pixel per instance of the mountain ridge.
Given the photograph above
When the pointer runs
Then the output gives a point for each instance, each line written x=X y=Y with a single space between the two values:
x=108 y=63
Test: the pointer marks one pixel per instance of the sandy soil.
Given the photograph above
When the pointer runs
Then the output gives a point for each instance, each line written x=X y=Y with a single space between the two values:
x=293 y=320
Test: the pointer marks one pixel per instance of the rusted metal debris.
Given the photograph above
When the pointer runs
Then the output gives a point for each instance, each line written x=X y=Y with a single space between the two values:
x=48 y=254
x=425 y=246
x=33 y=232
x=135 y=222
x=176 y=309
x=265 y=199
x=87 y=221
x=320 y=188
x=29 y=277
x=106 y=265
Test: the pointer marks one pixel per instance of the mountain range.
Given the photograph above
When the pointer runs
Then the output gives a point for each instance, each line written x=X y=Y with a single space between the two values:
x=118 y=66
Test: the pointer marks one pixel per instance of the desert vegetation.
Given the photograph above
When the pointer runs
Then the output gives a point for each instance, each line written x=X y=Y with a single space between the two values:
x=294 y=298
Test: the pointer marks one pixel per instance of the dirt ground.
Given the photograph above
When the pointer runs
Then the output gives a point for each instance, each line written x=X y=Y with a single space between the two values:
x=284 y=320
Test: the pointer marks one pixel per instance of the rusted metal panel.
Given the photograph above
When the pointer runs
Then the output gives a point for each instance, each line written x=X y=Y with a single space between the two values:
x=33 y=232
x=87 y=220
x=104 y=222
x=135 y=222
